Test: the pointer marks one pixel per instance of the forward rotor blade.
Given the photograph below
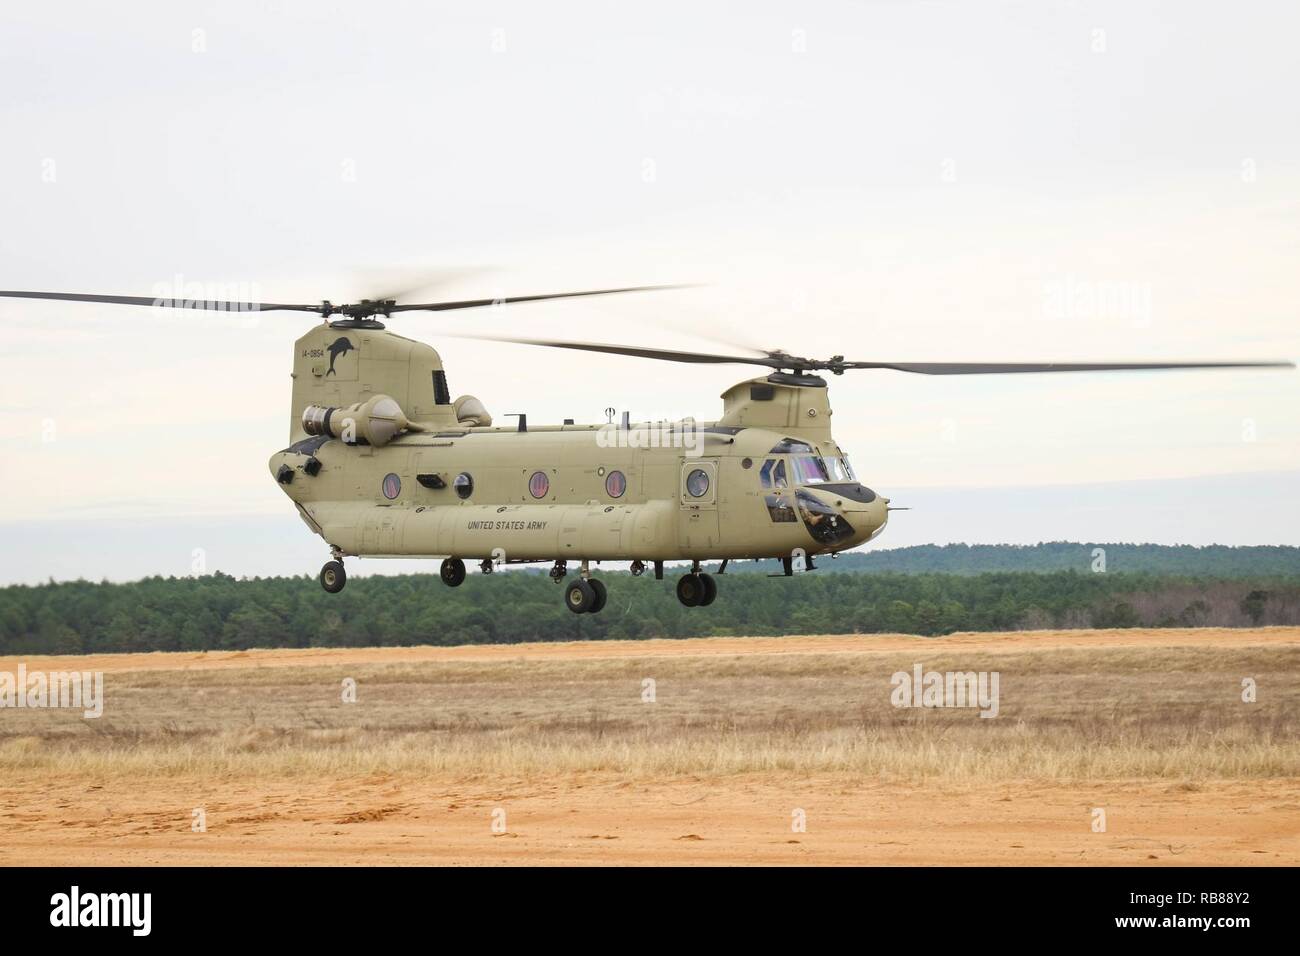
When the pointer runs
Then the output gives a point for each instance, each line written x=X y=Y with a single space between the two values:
x=507 y=300
x=995 y=368
x=667 y=355
x=163 y=302
x=782 y=361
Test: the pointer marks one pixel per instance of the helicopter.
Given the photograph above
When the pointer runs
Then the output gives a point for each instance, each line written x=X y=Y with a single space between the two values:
x=383 y=462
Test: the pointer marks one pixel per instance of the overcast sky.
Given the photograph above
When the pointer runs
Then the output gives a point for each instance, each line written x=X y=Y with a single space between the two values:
x=891 y=181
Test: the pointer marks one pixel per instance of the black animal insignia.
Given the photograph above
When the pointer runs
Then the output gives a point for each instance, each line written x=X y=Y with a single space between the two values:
x=337 y=348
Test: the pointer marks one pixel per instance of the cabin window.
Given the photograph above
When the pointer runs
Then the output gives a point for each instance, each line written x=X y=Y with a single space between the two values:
x=539 y=484
x=697 y=483
x=615 y=484
x=464 y=484
x=392 y=486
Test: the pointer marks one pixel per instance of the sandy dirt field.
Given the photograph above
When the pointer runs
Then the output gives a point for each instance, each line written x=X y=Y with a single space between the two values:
x=692 y=647
x=550 y=754
x=590 y=819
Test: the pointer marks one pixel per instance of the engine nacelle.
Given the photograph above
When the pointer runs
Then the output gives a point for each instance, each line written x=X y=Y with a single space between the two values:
x=470 y=411
x=376 y=421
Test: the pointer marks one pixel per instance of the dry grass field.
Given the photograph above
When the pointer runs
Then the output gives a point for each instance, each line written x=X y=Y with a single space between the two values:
x=744 y=736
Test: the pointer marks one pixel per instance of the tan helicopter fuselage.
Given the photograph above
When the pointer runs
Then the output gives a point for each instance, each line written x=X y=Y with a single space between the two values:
x=612 y=492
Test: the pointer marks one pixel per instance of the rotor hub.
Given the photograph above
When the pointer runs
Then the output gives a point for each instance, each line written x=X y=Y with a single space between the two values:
x=358 y=315
x=796 y=364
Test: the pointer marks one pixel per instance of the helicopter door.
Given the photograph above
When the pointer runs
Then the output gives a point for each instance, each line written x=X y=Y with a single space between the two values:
x=699 y=502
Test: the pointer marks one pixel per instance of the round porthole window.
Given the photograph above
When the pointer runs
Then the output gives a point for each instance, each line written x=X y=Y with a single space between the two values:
x=392 y=486
x=615 y=484
x=464 y=484
x=539 y=484
x=697 y=483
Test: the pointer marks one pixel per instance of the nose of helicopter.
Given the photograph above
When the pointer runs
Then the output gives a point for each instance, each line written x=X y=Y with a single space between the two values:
x=865 y=511
x=875 y=515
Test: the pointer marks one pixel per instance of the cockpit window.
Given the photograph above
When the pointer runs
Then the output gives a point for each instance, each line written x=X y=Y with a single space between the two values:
x=824 y=523
x=810 y=470
x=838 y=469
x=772 y=474
x=790 y=446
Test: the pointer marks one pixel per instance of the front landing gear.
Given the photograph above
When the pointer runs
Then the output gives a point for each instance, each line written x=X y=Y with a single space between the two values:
x=601 y=594
x=697 y=589
x=579 y=596
x=586 y=595
x=333 y=577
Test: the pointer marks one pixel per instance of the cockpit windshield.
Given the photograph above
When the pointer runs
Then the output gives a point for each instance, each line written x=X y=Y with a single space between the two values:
x=810 y=470
x=805 y=470
x=838 y=469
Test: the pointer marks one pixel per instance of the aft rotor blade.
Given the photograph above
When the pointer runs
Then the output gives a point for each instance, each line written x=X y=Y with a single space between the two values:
x=360 y=310
x=398 y=284
x=666 y=355
x=509 y=299
x=999 y=368
x=163 y=302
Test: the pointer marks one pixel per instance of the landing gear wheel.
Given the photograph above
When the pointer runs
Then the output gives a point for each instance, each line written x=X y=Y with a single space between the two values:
x=580 y=597
x=710 y=589
x=452 y=572
x=333 y=577
x=690 y=590
x=601 y=594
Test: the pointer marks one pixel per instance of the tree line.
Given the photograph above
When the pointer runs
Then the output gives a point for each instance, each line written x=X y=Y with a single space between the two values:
x=219 y=612
x=1217 y=560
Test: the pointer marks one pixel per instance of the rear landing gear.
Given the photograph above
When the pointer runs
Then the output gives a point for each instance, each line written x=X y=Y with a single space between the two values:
x=697 y=589
x=333 y=577
x=452 y=572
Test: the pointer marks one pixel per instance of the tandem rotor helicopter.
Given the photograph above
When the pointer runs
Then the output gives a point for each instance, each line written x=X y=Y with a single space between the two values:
x=383 y=462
